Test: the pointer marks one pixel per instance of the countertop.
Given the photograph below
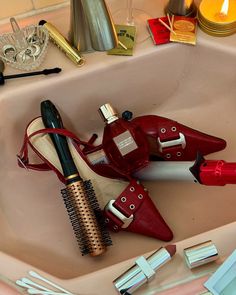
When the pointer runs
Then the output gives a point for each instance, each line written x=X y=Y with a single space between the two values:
x=97 y=60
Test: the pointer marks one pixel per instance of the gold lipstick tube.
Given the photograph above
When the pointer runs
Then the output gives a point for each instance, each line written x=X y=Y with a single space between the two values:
x=72 y=53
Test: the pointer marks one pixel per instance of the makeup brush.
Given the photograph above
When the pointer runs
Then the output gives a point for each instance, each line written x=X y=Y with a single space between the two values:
x=79 y=196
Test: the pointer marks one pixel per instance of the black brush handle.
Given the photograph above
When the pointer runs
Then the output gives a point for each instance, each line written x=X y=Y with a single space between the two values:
x=52 y=119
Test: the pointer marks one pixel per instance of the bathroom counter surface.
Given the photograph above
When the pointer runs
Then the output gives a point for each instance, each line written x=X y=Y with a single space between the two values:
x=97 y=60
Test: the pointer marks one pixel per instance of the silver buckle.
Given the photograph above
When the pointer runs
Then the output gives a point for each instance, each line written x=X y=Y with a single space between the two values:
x=22 y=163
x=164 y=144
x=126 y=220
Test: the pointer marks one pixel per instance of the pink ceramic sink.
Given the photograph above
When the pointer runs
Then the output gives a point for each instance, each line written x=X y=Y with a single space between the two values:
x=193 y=85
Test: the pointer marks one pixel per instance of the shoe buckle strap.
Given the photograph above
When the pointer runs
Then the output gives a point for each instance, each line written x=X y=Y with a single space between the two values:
x=170 y=143
x=21 y=162
x=124 y=219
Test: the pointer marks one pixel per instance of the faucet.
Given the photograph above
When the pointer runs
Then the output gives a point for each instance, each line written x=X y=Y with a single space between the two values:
x=181 y=7
x=91 y=26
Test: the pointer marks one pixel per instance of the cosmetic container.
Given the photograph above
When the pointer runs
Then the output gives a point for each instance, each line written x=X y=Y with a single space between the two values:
x=24 y=49
x=143 y=270
x=61 y=42
x=200 y=254
x=181 y=7
x=91 y=26
x=124 y=142
x=219 y=19
x=223 y=280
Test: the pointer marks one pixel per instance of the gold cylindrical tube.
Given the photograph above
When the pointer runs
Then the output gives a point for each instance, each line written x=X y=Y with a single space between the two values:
x=72 y=53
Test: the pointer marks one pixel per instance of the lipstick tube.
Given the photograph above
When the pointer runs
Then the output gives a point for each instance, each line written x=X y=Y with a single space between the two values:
x=143 y=270
x=200 y=254
x=61 y=42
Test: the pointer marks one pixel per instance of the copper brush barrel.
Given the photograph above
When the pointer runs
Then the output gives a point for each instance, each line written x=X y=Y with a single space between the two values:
x=79 y=196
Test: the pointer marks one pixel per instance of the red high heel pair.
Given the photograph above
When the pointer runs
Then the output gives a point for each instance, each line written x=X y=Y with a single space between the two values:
x=127 y=204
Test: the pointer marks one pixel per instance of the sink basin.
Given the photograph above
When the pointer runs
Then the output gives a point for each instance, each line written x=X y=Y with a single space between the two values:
x=192 y=85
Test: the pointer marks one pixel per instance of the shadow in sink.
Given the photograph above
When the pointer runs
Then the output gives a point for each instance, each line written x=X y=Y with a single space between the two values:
x=195 y=86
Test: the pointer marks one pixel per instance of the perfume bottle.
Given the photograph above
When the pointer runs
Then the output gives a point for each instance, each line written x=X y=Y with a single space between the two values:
x=124 y=142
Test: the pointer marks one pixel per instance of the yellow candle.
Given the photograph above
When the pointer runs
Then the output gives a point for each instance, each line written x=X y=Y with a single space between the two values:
x=188 y=3
x=216 y=10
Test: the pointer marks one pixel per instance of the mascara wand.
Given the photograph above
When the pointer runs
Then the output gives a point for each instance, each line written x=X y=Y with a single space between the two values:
x=44 y=72
x=79 y=196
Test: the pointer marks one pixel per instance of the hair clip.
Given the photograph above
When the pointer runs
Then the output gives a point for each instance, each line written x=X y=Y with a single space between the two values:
x=25 y=55
x=33 y=39
x=36 y=49
x=9 y=51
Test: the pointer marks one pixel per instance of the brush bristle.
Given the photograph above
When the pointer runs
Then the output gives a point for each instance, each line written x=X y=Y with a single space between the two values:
x=98 y=212
x=83 y=234
x=71 y=210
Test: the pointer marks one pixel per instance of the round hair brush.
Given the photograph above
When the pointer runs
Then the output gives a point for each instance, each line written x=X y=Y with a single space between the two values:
x=79 y=196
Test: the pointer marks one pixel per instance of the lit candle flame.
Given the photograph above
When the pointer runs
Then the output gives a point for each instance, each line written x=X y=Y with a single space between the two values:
x=225 y=7
x=223 y=14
